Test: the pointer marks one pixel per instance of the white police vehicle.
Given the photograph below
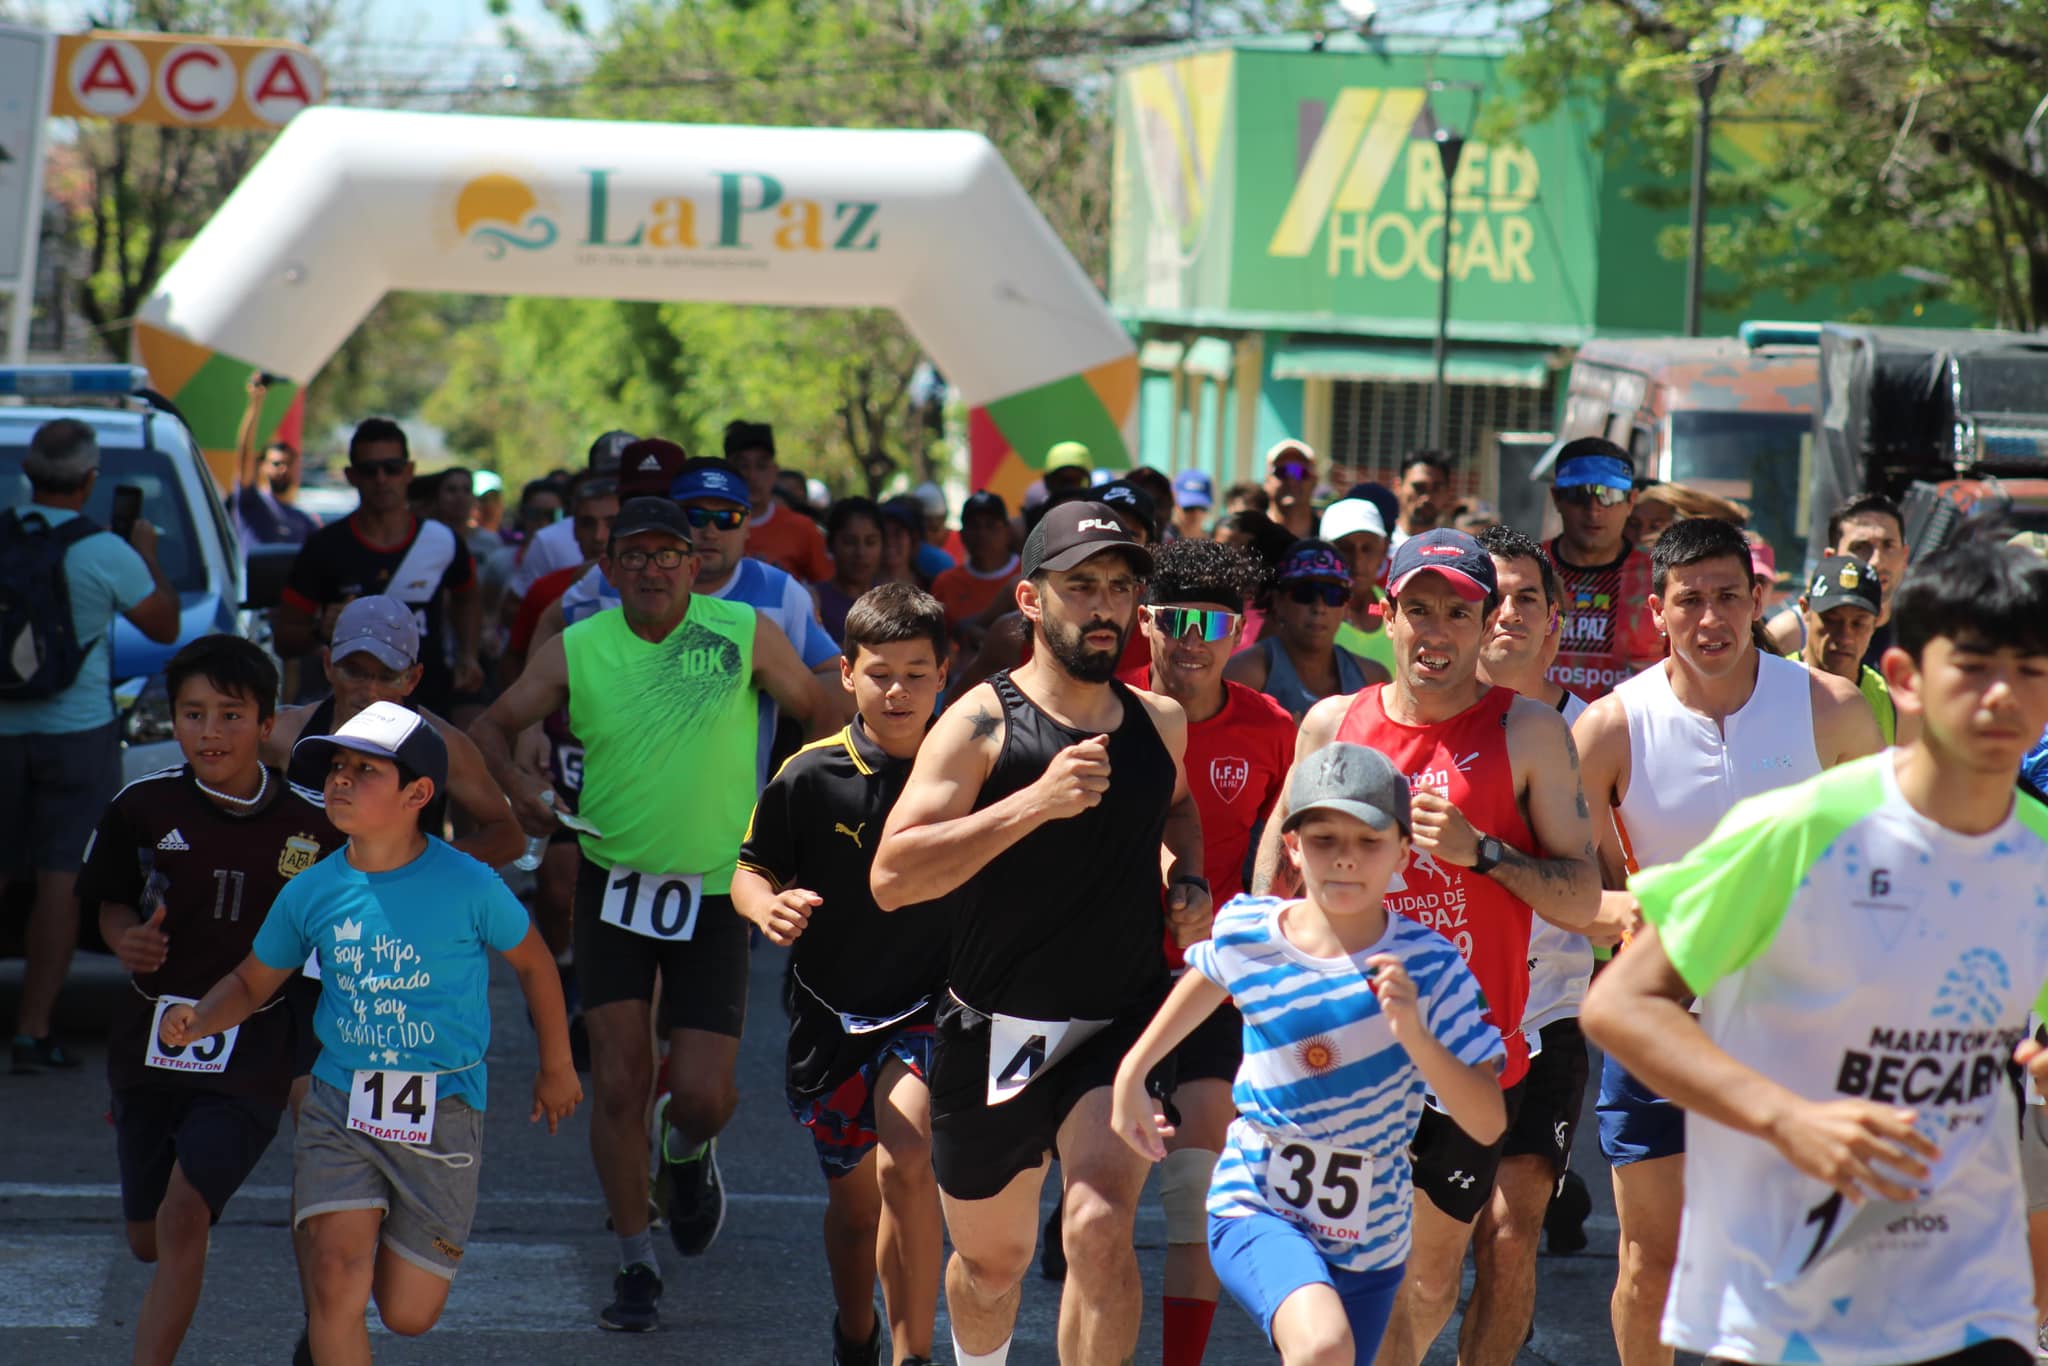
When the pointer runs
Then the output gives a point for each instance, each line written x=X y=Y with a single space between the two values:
x=143 y=441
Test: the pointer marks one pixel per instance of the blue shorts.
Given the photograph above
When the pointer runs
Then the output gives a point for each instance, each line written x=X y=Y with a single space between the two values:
x=842 y=1121
x=1636 y=1124
x=1261 y=1259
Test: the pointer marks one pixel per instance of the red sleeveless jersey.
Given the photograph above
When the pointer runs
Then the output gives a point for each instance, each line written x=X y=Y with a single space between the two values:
x=1465 y=758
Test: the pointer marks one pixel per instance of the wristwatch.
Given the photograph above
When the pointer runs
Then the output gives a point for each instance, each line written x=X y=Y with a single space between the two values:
x=1490 y=853
x=1193 y=880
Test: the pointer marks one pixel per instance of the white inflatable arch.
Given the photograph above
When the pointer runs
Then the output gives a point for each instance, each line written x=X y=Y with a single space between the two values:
x=348 y=204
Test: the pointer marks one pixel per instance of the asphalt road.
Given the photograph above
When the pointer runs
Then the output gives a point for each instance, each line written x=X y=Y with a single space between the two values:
x=540 y=1263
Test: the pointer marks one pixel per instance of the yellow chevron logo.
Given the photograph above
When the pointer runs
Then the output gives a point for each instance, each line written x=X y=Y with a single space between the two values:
x=1349 y=165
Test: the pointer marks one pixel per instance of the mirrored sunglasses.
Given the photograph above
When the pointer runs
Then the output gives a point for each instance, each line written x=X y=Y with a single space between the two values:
x=1177 y=623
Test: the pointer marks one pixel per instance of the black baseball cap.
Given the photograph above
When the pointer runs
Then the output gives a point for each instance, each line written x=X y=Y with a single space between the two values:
x=640 y=515
x=1462 y=561
x=1075 y=531
x=606 y=450
x=1843 y=581
x=384 y=729
x=1128 y=498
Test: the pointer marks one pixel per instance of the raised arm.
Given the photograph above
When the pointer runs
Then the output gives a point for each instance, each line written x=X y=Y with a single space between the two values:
x=1271 y=873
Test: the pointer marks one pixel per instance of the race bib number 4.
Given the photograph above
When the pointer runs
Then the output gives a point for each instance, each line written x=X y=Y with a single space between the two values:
x=659 y=905
x=1020 y=1049
x=209 y=1054
x=1323 y=1188
x=397 y=1107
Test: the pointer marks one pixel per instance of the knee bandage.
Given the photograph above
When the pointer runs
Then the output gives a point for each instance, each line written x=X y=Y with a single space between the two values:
x=1184 y=1192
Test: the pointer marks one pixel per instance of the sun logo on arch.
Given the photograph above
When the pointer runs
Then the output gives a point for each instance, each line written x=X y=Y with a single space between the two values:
x=500 y=211
x=1316 y=1055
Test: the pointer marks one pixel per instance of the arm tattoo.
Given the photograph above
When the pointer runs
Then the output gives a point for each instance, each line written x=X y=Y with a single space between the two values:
x=985 y=724
x=1585 y=812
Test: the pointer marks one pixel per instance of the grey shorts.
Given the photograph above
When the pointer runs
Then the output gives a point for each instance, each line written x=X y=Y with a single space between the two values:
x=53 y=791
x=428 y=1205
x=2034 y=1155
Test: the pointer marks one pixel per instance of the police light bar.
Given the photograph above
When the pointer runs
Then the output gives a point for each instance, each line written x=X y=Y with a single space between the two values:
x=72 y=381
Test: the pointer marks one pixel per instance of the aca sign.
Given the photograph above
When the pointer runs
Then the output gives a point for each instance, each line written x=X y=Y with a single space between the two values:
x=183 y=81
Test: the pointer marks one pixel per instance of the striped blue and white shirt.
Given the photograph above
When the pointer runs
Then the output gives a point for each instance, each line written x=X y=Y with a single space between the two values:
x=1321 y=1063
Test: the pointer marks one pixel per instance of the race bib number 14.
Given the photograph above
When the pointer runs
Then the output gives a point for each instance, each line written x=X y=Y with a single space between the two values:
x=658 y=905
x=397 y=1107
x=209 y=1054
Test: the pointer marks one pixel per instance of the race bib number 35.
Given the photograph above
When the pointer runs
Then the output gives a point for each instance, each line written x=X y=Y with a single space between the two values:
x=397 y=1107
x=1323 y=1188
x=659 y=905
x=209 y=1054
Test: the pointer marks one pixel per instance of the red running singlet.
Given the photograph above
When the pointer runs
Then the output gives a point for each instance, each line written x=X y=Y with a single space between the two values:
x=1465 y=758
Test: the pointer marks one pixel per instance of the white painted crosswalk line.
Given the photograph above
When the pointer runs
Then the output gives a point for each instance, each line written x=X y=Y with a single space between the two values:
x=515 y=1288
x=52 y=1282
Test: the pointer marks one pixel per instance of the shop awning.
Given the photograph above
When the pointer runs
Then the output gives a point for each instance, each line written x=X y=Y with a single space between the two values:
x=1392 y=362
x=1211 y=356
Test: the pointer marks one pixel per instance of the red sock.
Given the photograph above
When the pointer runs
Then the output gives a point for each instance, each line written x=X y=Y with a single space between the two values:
x=1186 y=1330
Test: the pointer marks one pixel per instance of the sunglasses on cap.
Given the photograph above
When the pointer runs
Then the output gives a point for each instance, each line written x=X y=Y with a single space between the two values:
x=1328 y=594
x=725 y=519
x=387 y=469
x=1178 y=623
x=1293 y=469
x=1587 y=494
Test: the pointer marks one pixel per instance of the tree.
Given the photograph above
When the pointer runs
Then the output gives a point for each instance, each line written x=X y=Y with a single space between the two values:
x=1860 y=138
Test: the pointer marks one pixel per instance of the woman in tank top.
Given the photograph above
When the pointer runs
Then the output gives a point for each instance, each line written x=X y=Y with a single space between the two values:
x=1299 y=662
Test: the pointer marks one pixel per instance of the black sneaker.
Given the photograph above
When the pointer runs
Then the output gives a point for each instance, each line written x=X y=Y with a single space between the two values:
x=302 y=1350
x=696 y=1195
x=1564 y=1223
x=1052 y=1252
x=634 y=1292
x=46 y=1054
x=847 y=1352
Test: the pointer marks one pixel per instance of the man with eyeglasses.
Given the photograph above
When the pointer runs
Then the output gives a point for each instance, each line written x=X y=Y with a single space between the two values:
x=1299 y=662
x=381 y=548
x=1291 y=486
x=1604 y=580
x=662 y=694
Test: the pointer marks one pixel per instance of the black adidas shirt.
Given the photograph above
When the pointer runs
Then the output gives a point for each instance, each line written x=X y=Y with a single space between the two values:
x=816 y=827
x=337 y=564
x=163 y=841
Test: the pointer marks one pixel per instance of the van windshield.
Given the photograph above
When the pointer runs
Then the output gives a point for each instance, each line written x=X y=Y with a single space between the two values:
x=163 y=503
x=1750 y=457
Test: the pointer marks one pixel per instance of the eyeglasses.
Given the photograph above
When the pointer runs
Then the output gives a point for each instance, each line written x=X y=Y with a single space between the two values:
x=1294 y=469
x=1328 y=594
x=383 y=469
x=725 y=519
x=1177 y=623
x=1587 y=494
x=668 y=557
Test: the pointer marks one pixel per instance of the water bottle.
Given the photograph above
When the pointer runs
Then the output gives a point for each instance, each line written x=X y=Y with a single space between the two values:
x=536 y=845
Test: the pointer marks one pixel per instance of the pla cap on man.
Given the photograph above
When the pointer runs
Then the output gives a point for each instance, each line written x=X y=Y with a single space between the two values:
x=1352 y=780
x=1843 y=581
x=378 y=626
x=383 y=729
x=1461 y=560
x=1073 y=532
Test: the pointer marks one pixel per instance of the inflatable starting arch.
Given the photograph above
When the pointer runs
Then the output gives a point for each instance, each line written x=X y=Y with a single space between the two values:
x=348 y=204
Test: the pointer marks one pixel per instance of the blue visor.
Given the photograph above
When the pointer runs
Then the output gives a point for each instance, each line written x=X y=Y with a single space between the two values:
x=1601 y=470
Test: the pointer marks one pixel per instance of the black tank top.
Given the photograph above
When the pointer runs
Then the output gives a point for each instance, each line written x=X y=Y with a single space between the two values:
x=1065 y=924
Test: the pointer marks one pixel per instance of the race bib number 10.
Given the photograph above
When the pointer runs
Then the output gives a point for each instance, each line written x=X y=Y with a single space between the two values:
x=397 y=1107
x=209 y=1054
x=659 y=905
x=1323 y=1188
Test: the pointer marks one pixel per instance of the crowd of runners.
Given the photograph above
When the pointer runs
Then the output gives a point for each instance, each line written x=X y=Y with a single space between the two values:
x=1301 y=867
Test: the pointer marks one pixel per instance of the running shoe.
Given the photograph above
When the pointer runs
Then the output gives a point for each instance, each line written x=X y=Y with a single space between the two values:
x=847 y=1352
x=1052 y=1250
x=634 y=1293
x=696 y=1195
x=1564 y=1223
x=46 y=1054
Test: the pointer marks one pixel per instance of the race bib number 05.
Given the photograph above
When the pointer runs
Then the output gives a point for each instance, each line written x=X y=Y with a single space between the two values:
x=1323 y=1188
x=659 y=905
x=1019 y=1050
x=397 y=1107
x=209 y=1054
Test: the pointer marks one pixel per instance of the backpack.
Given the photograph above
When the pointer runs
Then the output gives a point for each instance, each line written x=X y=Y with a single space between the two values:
x=40 y=652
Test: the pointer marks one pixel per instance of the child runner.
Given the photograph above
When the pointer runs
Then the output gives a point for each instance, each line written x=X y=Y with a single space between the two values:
x=182 y=869
x=862 y=984
x=391 y=1134
x=1350 y=1015
x=1865 y=946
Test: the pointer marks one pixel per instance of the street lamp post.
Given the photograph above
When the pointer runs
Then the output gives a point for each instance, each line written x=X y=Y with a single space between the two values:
x=1703 y=82
x=1449 y=147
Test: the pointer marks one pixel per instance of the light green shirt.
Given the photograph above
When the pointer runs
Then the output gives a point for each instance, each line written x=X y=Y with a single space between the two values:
x=1372 y=645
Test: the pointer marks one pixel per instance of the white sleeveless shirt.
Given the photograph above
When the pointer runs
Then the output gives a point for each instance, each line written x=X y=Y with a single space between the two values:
x=1685 y=771
x=1560 y=962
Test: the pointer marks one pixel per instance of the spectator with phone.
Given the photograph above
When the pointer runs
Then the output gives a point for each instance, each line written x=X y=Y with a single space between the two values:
x=264 y=486
x=62 y=581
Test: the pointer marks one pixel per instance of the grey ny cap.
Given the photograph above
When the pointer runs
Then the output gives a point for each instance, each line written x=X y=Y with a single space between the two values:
x=1354 y=780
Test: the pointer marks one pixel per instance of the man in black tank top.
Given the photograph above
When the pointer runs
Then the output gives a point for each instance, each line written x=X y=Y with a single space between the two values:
x=1056 y=962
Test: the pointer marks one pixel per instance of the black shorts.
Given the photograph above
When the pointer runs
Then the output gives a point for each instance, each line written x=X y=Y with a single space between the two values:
x=1453 y=1171
x=301 y=1002
x=703 y=978
x=1552 y=1094
x=1213 y=1051
x=978 y=1148
x=217 y=1139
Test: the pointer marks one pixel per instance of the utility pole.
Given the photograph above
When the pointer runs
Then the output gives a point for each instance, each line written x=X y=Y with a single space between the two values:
x=1704 y=80
x=1449 y=148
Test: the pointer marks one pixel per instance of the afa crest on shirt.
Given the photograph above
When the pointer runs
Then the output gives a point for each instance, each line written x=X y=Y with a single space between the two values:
x=300 y=852
x=1229 y=776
